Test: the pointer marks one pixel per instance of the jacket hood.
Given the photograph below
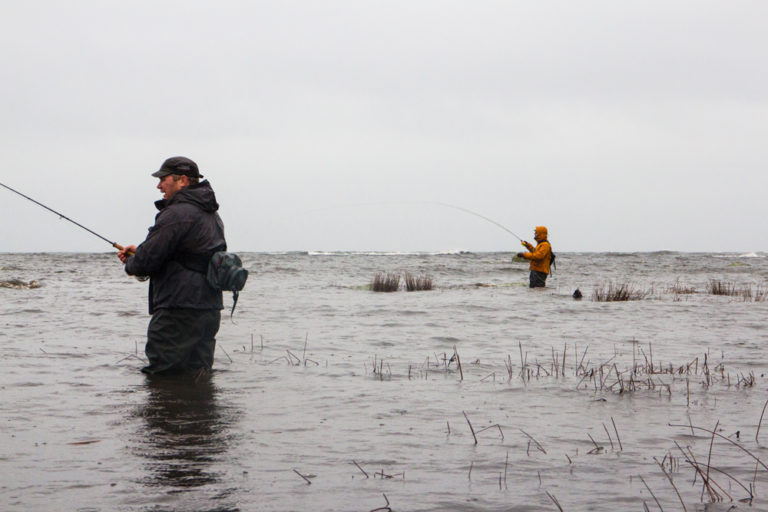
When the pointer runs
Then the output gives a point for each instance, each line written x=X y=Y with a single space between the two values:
x=541 y=231
x=201 y=195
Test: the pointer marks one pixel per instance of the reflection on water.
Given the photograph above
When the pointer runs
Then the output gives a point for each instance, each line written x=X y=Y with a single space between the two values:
x=184 y=435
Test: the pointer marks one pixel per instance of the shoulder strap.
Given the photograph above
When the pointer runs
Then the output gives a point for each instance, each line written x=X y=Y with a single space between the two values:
x=197 y=261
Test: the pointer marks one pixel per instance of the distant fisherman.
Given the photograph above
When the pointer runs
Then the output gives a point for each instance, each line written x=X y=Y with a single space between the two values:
x=185 y=309
x=540 y=257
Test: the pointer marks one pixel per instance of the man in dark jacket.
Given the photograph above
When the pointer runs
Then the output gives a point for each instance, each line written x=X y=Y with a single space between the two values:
x=185 y=309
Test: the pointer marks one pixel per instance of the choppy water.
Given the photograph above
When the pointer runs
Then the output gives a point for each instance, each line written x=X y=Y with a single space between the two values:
x=353 y=390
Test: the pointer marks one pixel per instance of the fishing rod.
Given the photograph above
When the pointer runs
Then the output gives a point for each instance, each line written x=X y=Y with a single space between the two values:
x=62 y=216
x=476 y=215
x=447 y=205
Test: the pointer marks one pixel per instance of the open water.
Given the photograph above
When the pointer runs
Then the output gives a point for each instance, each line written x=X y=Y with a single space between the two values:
x=329 y=397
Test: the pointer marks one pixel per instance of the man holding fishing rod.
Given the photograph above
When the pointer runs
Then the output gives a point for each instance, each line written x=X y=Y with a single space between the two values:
x=540 y=257
x=185 y=308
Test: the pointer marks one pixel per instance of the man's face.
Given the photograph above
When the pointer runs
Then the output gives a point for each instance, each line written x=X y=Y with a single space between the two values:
x=169 y=186
x=537 y=237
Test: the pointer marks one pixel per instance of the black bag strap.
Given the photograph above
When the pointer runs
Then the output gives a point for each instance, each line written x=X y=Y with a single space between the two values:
x=197 y=261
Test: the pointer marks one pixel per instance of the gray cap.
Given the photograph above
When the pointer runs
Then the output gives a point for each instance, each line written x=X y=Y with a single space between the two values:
x=178 y=165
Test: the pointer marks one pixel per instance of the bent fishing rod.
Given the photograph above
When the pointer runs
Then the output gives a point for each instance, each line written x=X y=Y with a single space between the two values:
x=447 y=205
x=476 y=215
x=62 y=216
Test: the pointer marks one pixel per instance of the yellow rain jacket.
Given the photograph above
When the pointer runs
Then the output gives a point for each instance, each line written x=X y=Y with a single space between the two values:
x=540 y=256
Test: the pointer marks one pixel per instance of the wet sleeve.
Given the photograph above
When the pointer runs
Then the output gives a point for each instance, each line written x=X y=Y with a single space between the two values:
x=541 y=252
x=159 y=247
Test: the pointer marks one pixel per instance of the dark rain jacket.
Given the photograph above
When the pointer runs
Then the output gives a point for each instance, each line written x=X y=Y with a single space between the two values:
x=187 y=229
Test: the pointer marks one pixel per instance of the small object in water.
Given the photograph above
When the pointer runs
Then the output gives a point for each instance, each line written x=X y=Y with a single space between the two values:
x=577 y=294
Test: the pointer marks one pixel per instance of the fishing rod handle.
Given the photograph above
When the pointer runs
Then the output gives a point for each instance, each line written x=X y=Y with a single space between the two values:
x=120 y=248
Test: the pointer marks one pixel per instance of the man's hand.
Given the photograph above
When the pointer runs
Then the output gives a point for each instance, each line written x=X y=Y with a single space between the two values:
x=520 y=255
x=126 y=252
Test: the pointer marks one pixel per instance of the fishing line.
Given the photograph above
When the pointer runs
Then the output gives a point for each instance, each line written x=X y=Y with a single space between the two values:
x=62 y=216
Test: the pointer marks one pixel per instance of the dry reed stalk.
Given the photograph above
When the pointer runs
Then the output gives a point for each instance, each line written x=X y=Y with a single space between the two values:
x=508 y=364
x=225 y=352
x=304 y=477
x=691 y=459
x=652 y=495
x=361 y=469
x=554 y=500
x=470 y=425
x=737 y=445
x=562 y=371
x=385 y=507
x=529 y=436
x=672 y=482
x=491 y=426
x=759 y=423
x=596 y=449
x=608 y=434
x=506 y=463
x=621 y=448
x=458 y=362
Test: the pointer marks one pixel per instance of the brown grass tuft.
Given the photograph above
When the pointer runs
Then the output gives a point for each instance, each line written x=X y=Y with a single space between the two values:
x=385 y=282
x=617 y=292
x=417 y=283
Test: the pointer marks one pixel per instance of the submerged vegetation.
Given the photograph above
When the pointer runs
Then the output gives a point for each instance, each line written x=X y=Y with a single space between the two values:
x=730 y=289
x=385 y=282
x=417 y=283
x=679 y=289
x=618 y=292
x=390 y=282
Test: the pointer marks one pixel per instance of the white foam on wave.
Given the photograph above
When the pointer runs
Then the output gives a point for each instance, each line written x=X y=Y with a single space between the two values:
x=383 y=253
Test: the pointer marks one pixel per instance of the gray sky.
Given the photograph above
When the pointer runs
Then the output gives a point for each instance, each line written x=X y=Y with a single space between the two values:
x=332 y=125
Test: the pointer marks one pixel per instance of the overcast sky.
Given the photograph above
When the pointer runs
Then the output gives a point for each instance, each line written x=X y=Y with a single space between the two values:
x=336 y=125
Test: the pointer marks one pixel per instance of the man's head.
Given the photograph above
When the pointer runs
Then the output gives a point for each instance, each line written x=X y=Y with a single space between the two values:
x=175 y=174
x=540 y=233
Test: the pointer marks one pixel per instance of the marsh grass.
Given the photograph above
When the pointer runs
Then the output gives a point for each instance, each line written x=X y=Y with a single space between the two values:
x=613 y=292
x=744 y=292
x=679 y=288
x=717 y=287
x=385 y=282
x=417 y=283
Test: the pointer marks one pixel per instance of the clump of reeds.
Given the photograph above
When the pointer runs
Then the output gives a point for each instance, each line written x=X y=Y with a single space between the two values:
x=678 y=288
x=717 y=287
x=385 y=282
x=617 y=292
x=730 y=289
x=417 y=283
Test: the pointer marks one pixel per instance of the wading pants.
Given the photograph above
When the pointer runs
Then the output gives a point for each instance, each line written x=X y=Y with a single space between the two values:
x=181 y=340
x=537 y=279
